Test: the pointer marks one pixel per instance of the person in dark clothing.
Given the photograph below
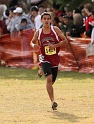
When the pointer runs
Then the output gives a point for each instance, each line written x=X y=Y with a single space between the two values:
x=66 y=25
x=75 y=31
x=3 y=27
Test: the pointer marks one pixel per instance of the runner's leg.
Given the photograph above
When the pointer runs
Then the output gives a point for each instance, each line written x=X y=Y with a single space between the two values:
x=48 y=74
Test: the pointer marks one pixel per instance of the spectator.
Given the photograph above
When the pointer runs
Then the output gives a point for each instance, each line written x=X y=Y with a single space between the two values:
x=3 y=8
x=77 y=19
x=56 y=10
x=29 y=13
x=76 y=29
x=61 y=19
x=66 y=27
x=3 y=25
x=55 y=22
x=84 y=15
x=19 y=15
x=34 y=12
x=76 y=10
x=32 y=18
x=9 y=21
x=87 y=24
x=41 y=9
x=24 y=24
x=70 y=14
x=16 y=19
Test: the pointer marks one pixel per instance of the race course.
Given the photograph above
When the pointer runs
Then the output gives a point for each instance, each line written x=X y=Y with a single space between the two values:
x=24 y=99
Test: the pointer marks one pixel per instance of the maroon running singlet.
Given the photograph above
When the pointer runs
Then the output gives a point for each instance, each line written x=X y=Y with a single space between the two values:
x=47 y=55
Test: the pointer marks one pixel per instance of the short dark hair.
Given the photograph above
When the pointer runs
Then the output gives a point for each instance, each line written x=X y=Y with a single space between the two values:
x=88 y=6
x=34 y=8
x=56 y=19
x=24 y=20
x=45 y=13
x=12 y=8
x=77 y=10
x=41 y=5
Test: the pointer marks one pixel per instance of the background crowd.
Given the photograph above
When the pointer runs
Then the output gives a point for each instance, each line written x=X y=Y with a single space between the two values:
x=19 y=16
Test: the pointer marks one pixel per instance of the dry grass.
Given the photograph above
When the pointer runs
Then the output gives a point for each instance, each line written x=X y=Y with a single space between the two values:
x=24 y=100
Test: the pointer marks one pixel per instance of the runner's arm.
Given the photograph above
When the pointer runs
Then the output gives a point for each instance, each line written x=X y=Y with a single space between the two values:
x=34 y=40
x=61 y=36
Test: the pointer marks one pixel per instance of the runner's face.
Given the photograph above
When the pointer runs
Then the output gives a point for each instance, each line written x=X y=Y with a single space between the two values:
x=46 y=20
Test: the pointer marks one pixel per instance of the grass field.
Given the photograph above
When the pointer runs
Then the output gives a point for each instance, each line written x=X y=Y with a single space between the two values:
x=24 y=100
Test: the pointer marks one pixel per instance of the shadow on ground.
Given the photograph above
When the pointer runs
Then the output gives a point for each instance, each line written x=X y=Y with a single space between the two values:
x=66 y=116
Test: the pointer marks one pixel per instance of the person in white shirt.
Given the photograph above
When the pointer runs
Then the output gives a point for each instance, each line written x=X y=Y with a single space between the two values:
x=37 y=20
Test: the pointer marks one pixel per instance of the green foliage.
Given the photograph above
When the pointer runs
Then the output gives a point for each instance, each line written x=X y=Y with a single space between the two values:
x=71 y=4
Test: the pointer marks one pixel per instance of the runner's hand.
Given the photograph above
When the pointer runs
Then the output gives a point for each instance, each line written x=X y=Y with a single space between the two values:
x=36 y=46
x=51 y=46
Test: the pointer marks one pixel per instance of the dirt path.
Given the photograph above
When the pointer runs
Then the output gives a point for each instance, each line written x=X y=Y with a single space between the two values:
x=22 y=103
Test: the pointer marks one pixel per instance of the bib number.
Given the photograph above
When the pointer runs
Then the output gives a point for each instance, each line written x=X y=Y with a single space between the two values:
x=49 y=52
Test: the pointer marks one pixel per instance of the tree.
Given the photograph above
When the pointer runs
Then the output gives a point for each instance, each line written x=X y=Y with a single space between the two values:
x=72 y=4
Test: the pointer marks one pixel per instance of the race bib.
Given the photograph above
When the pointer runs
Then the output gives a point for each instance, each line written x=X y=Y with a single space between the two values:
x=49 y=52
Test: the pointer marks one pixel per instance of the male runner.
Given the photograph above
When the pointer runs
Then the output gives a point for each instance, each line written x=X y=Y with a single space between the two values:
x=50 y=39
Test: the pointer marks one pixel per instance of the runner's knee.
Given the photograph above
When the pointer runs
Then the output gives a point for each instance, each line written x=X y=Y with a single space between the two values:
x=49 y=79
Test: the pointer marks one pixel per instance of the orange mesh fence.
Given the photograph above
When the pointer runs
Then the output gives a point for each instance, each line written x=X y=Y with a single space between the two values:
x=15 y=51
x=73 y=56
x=67 y=60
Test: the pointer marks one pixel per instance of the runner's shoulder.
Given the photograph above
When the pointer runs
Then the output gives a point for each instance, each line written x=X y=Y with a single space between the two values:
x=57 y=30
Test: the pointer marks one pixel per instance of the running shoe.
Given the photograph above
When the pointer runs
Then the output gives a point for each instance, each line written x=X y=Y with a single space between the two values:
x=54 y=106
